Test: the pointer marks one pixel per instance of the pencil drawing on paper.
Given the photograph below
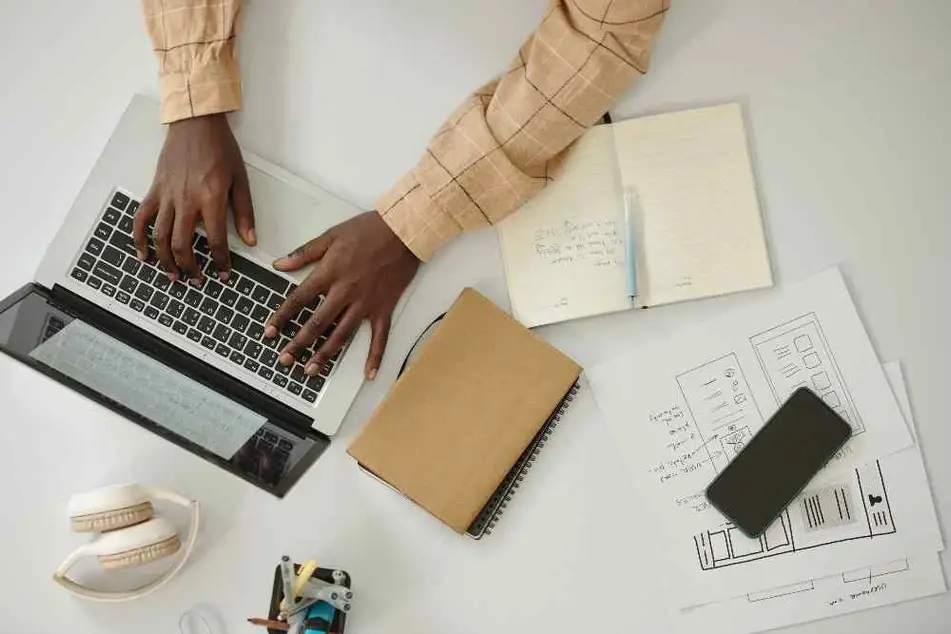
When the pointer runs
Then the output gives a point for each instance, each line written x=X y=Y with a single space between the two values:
x=794 y=355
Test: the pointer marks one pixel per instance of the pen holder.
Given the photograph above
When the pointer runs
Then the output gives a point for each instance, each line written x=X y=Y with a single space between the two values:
x=339 y=621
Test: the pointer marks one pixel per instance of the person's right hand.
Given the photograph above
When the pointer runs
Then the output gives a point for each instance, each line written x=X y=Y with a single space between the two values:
x=199 y=168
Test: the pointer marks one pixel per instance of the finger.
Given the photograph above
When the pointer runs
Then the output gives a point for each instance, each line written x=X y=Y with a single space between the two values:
x=313 y=328
x=325 y=315
x=183 y=236
x=164 y=224
x=140 y=224
x=314 y=285
x=243 y=207
x=216 y=226
x=379 y=334
x=335 y=342
x=304 y=254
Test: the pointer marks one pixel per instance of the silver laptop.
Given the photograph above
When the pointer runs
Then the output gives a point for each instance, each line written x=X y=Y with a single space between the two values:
x=190 y=363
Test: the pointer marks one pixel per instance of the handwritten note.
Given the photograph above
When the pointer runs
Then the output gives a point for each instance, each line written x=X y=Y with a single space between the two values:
x=596 y=242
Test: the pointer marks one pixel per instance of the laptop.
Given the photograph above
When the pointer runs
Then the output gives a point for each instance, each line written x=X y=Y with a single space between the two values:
x=188 y=363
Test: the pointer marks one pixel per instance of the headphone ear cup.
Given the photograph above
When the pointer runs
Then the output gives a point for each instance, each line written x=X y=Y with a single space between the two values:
x=141 y=555
x=113 y=519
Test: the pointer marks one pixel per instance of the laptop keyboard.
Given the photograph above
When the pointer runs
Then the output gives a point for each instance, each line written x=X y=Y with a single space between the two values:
x=227 y=318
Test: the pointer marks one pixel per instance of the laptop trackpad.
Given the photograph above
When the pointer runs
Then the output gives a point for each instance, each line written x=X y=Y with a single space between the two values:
x=287 y=217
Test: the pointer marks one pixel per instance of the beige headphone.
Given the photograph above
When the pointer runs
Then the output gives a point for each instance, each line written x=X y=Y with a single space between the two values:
x=130 y=535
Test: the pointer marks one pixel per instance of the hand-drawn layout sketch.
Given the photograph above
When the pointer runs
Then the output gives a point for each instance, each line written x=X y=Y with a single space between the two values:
x=850 y=509
x=795 y=355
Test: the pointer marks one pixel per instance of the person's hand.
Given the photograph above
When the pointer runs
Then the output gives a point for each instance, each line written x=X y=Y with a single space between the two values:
x=362 y=270
x=199 y=168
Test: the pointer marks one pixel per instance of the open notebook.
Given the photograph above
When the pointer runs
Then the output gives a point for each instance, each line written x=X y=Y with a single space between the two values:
x=697 y=229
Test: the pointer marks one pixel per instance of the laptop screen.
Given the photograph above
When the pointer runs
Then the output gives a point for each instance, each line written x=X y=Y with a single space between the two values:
x=41 y=333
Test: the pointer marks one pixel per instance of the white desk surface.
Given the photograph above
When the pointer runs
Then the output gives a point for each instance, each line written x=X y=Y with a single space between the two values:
x=847 y=110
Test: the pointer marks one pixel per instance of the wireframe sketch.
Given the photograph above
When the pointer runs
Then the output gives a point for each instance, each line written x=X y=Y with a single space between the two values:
x=855 y=508
x=795 y=355
x=721 y=405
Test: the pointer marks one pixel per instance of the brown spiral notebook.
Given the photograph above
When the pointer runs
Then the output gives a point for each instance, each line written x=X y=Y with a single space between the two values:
x=460 y=427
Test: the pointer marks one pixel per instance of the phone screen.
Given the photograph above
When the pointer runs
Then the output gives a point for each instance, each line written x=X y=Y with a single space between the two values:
x=778 y=462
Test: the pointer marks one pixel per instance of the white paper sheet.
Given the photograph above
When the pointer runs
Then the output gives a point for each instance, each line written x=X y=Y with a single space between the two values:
x=149 y=388
x=681 y=410
x=911 y=577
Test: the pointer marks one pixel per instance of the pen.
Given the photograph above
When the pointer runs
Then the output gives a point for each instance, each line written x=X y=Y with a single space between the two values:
x=270 y=624
x=631 y=207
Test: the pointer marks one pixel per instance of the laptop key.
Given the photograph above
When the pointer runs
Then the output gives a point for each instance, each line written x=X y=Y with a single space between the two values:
x=95 y=246
x=295 y=388
x=175 y=309
x=236 y=357
x=151 y=312
x=275 y=301
x=123 y=297
x=180 y=327
x=251 y=365
x=137 y=305
x=123 y=242
x=268 y=357
x=298 y=373
x=245 y=286
x=146 y=274
x=191 y=316
x=94 y=282
x=178 y=290
x=125 y=224
x=79 y=274
x=103 y=231
x=128 y=284
x=229 y=298
x=131 y=266
x=244 y=306
x=209 y=307
x=255 y=331
x=166 y=320
x=161 y=282
x=159 y=300
x=108 y=290
x=107 y=272
x=120 y=201
x=206 y=325
x=282 y=369
x=261 y=294
x=133 y=207
x=240 y=323
x=208 y=342
x=222 y=350
x=86 y=262
x=111 y=216
x=237 y=341
x=224 y=314
x=194 y=335
x=144 y=292
x=201 y=245
x=266 y=373
x=222 y=333
x=316 y=383
x=260 y=313
x=253 y=349
x=280 y=379
x=309 y=396
x=213 y=289
x=232 y=280
x=193 y=298
x=113 y=256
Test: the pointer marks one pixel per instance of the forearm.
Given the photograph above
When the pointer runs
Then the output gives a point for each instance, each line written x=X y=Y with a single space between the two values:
x=495 y=151
x=194 y=43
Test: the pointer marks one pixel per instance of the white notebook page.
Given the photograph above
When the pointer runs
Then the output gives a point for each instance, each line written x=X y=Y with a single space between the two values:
x=564 y=250
x=701 y=232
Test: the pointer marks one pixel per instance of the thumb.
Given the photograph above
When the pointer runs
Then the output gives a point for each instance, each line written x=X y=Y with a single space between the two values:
x=304 y=254
x=243 y=208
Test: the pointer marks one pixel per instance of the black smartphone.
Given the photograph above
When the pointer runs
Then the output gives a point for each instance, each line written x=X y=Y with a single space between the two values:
x=778 y=462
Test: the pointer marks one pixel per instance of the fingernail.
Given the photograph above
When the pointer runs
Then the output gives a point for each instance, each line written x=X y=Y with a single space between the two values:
x=281 y=261
x=286 y=359
x=139 y=253
x=371 y=374
x=252 y=237
x=195 y=281
x=173 y=276
x=224 y=275
x=270 y=332
x=310 y=370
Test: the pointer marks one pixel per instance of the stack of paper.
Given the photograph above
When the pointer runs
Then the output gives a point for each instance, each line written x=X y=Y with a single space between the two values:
x=863 y=533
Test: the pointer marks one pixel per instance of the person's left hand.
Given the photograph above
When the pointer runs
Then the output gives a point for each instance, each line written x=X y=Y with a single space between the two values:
x=362 y=270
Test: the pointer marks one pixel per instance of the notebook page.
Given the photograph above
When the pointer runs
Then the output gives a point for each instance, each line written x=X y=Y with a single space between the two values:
x=564 y=250
x=701 y=233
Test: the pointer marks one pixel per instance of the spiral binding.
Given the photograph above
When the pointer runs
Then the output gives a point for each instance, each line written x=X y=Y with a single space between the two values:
x=485 y=523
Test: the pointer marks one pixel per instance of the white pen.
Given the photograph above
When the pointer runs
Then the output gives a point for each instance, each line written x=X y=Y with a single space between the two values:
x=630 y=239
